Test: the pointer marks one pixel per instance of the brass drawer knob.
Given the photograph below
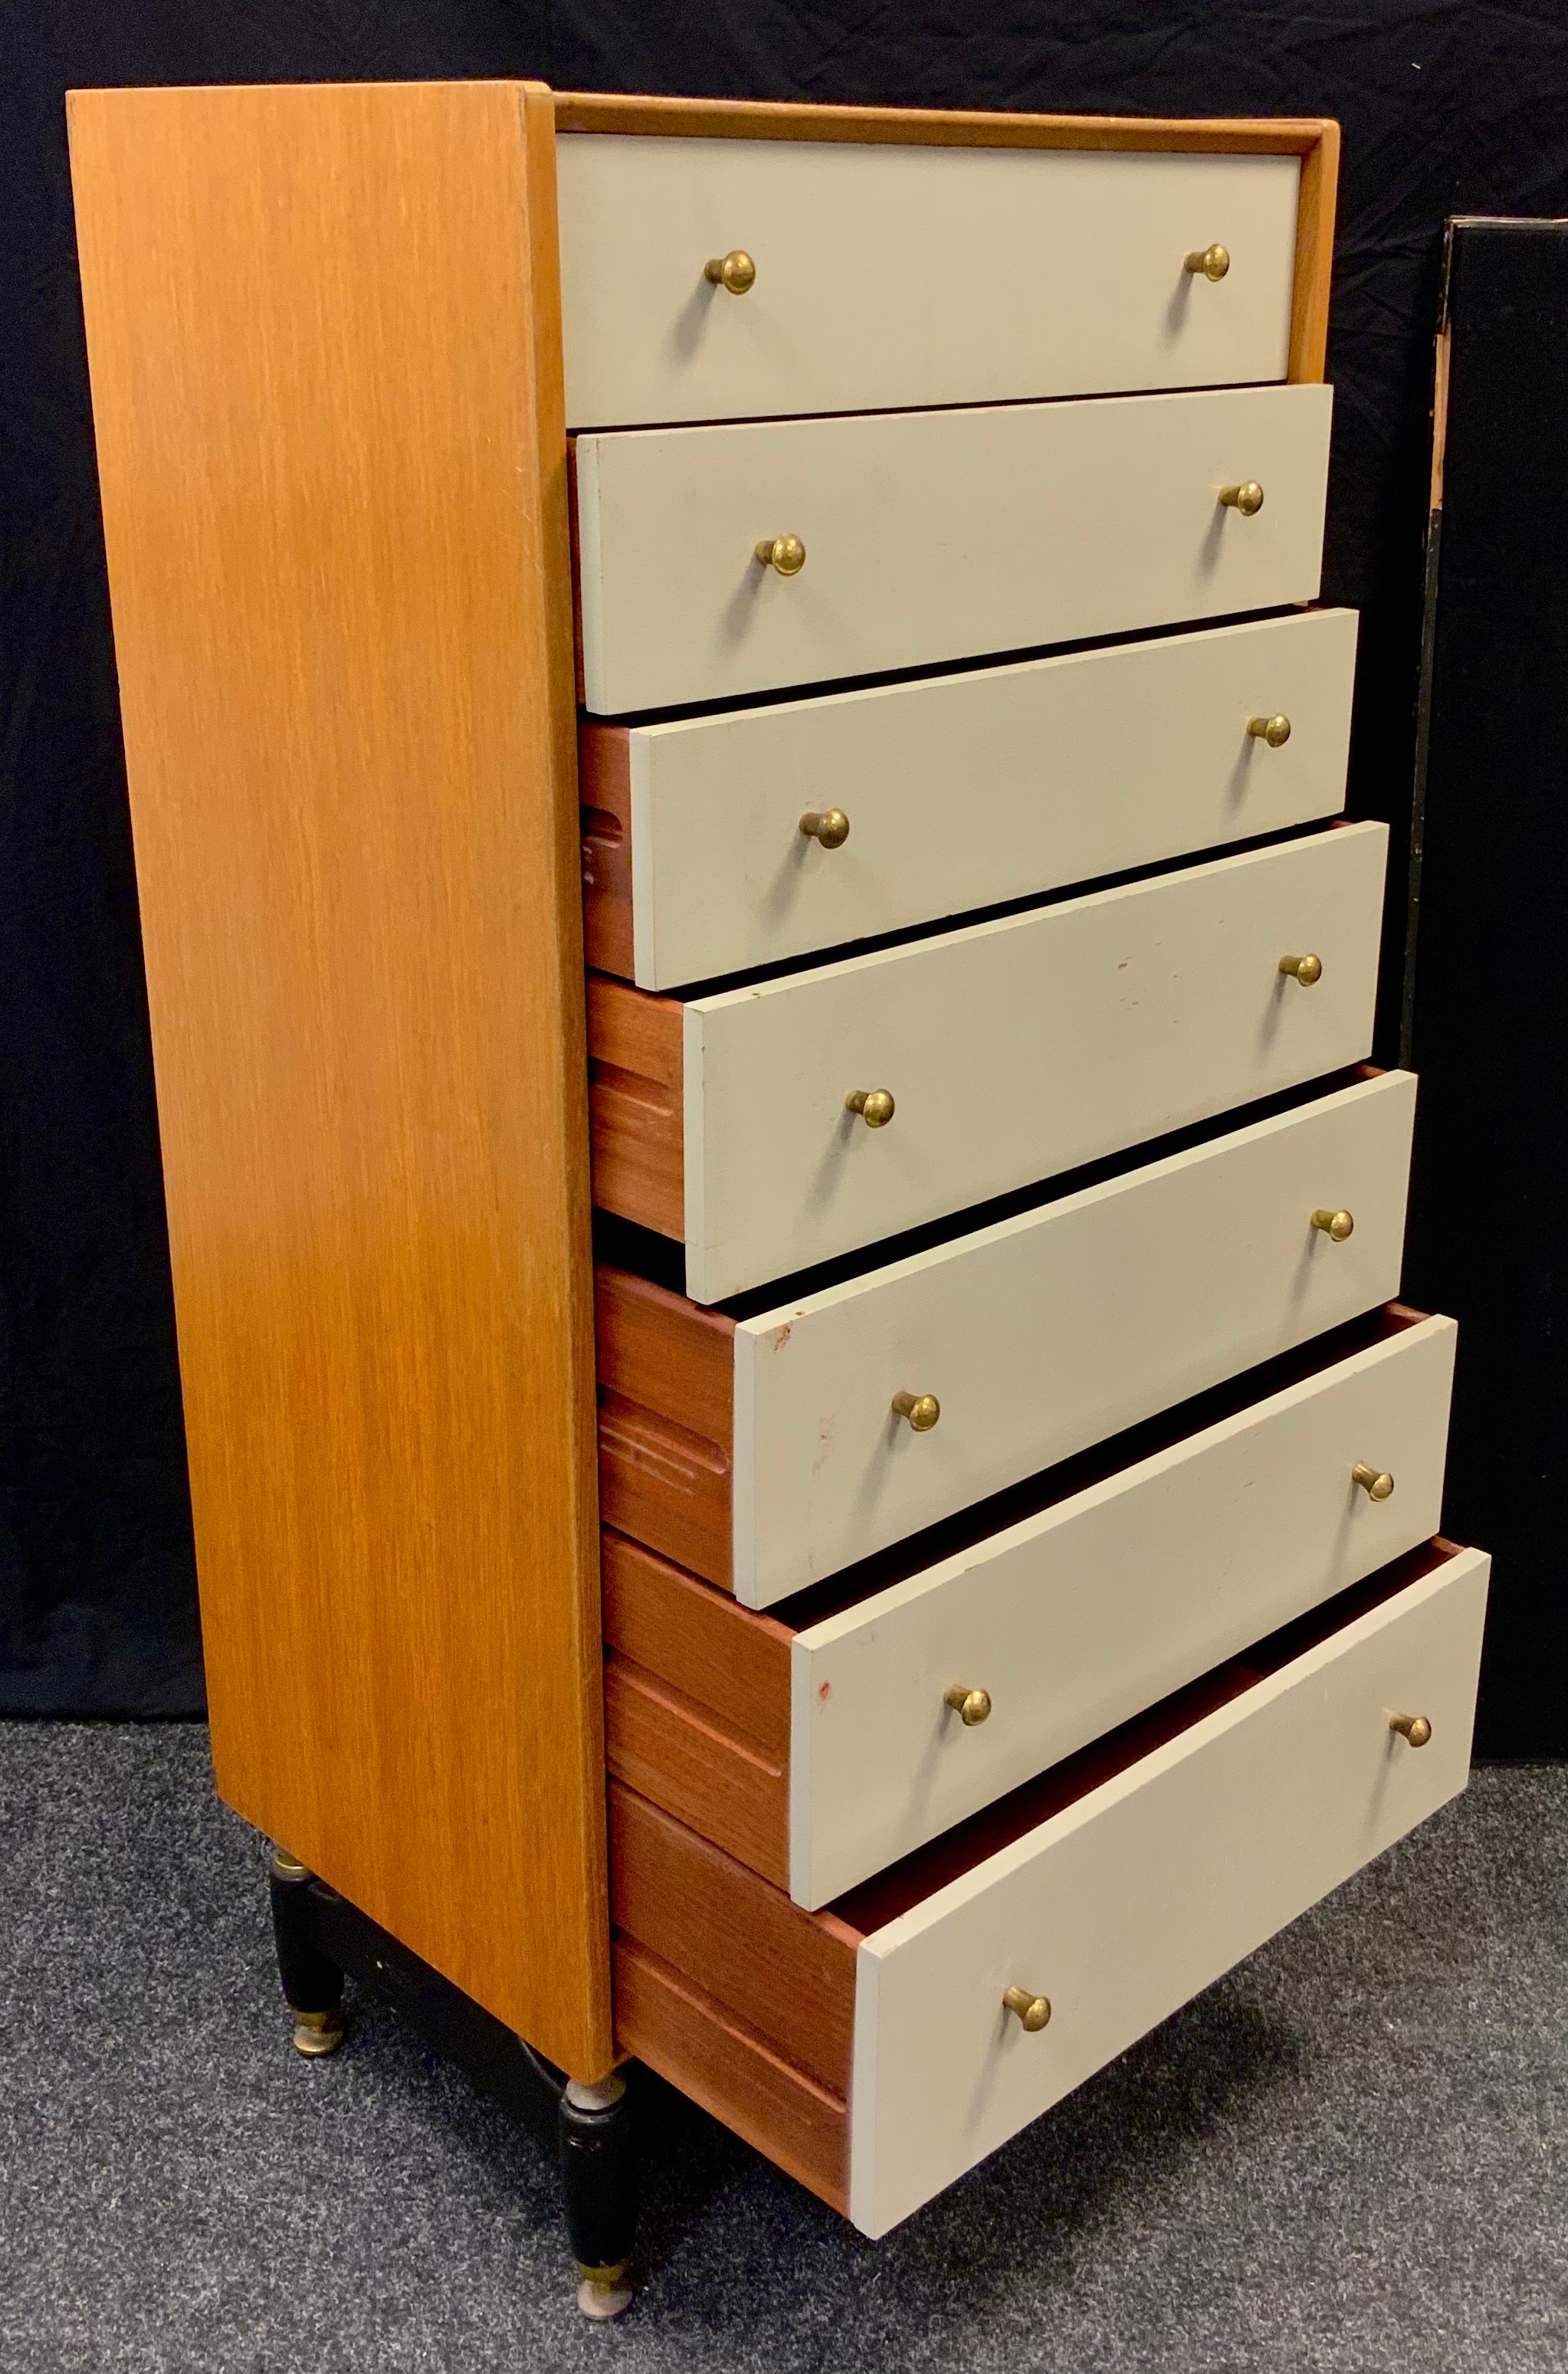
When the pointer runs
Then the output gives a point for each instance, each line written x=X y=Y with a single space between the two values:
x=735 y=270
x=1377 y=1482
x=784 y=553
x=922 y=1410
x=829 y=827
x=1275 y=730
x=1336 y=1226
x=1212 y=262
x=1306 y=969
x=970 y=1706
x=1247 y=497
x=874 y=1106
x=1413 y=1727
x=1033 y=2010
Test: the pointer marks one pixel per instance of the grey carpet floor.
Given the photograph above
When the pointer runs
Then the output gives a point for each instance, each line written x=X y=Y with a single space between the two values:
x=1352 y=2154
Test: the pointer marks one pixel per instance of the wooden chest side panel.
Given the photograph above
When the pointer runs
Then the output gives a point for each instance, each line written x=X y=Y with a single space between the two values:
x=333 y=459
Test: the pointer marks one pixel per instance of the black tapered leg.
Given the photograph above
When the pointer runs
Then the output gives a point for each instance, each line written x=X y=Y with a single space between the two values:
x=313 y=1985
x=599 y=2166
x=320 y=1936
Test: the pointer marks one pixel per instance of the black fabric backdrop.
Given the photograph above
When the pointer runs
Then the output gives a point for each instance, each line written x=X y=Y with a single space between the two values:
x=1456 y=106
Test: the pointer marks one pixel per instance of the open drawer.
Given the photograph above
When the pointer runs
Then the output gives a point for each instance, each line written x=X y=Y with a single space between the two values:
x=880 y=2047
x=762 y=1447
x=722 y=843
x=723 y=560
x=824 y=1741
x=788 y=1122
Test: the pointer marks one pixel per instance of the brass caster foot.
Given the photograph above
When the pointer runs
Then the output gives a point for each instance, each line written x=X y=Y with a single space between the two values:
x=605 y=2291
x=317 y=2033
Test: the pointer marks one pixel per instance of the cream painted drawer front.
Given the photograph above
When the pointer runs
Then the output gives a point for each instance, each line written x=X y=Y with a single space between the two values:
x=1078 y=1618
x=1126 y=1904
x=1014 y=1050
x=930 y=536
x=1055 y=1330
x=963 y=792
x=891 y=276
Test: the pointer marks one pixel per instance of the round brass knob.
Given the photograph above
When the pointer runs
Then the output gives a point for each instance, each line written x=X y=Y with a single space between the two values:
x=970 y=1706
x=922 y=1410
x=1377 y=1483
x=735 y=270
x=1247 y=497
x=874 y=1106
x=1033 y=2010
x=1413 y=1727
x=1306 y=969
x=784 y=553
x=1275 y=731
x=1212 y=262
x=829 y=827
x=1336 y=1226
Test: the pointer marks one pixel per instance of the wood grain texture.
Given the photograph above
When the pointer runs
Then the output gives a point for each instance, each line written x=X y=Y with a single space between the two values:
x=697 y=1698
x=711 y=119
x=672 y=1751
x=634 y=1099
x=1314 y=256
x=666 y=1421
x=322 y=330
x=788 y=1974
x=604 y=773
x=713 y=2055
x=733 y=1661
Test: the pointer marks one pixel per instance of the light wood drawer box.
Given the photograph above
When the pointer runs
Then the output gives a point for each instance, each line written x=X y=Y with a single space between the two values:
x=1013 y=1050
x=819 y=1745
x=759 y=1450
x=933 y=536
x=960 y=793
x=867 y=2049
x=888 y=277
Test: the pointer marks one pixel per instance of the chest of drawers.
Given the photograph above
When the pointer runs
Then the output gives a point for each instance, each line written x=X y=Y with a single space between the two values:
x=953 y=1568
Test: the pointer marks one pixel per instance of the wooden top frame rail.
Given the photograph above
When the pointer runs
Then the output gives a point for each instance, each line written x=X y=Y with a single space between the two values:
x=1315 y=139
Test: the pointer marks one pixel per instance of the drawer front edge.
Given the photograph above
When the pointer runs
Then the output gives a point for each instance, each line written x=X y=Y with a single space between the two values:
x=1130 y=1902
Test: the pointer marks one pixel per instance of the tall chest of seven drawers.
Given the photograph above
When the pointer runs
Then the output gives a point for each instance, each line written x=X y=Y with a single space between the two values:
x=784 y=1236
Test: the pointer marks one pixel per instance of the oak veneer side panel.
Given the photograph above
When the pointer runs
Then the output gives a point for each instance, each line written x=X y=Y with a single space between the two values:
x=788 y=1974
x=714 y=2057
x=323 y=328
x=666 y=1422
x=604 y=761
x=724 y=1656
x=706 y=119
x=1314 y=256
x=636 y=1104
